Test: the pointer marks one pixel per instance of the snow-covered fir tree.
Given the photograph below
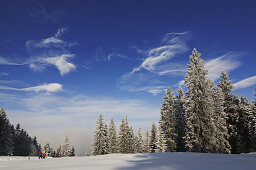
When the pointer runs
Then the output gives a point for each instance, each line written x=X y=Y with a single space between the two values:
x=231 y=107
x=131 y=140
x=66 y=147
x=125 y=138
x=72 y=151
x=180 y=120
x=112 y=138
x=139 y=141
x=162 y=143
x=47 y=149
x=168 y=120
x=253 y=123
x=153 y=138
x=100 y=141
x=221 y=130
x=198 y=106
x=244 y=126
x=146 y=146
x=6 y=136
x=59 y=151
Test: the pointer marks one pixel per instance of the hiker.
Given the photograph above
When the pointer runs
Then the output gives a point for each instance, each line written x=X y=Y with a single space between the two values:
x=43 y=155
x=40 y=155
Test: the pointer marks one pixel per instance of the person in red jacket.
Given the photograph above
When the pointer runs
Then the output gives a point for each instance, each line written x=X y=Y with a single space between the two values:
x=43 y=155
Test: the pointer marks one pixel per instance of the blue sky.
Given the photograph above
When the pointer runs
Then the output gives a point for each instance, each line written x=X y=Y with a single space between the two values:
x=64 y=62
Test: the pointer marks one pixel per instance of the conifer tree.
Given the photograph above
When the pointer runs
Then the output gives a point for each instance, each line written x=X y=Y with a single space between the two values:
x=253 y=124
x=153 y=138
x=112 y=138
x=139 y=142
x=59 y=151
x=146 y=147
x=66 y=147
x=198 y=106
x=131 y=140
x=231 y=107
x=162 y=143
x=244 y=126
x=48 y=150
x=72 y=151
x=168 y=120
x=99 y=145
x=125 y=137
x=6 y=138
x=221 y=131
x=180 y=120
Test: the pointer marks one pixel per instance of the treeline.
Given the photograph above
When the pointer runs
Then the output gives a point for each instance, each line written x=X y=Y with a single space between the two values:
x=206 y=118
x=106 y=140
x=16 y=141
x=63 y=150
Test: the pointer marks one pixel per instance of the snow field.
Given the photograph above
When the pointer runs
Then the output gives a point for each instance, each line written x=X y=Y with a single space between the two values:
x=156 y=161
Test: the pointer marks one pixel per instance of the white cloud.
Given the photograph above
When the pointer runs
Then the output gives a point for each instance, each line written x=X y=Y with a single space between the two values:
x=116 y=55
x=59 y=58
x=147 y=76
x=5 y=61
x=51 y=42
x=61 y=62
x=60 y=31
x=226 y=62
x=51 y=87
x=171 y=71
x=246 y=82
x=159 y=55
x=4 y=74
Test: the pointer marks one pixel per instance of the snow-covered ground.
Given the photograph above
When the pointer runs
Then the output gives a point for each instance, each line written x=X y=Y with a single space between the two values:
x=165 y=161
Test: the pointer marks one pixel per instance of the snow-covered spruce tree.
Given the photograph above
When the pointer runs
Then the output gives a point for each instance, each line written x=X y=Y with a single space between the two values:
x=66 y=147
x=139 y=142
x=122 y=137
x=131 y=141
x=153 y=138
x=72 y=151
x=47 y=149
x=180 y=120
x=6 y=137
x=244 y=126
x=112 y=138
x=125 y=138
x=198 y=106
x=231 y=106
x=146 y=146
x=59 y=151
x=168 y=120
x=162 y=143
x=99 y=146
x=253 y=123
x=220 y=116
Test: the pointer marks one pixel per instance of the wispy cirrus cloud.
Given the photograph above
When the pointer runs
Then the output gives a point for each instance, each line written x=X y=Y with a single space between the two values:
x=4 y=61
x=251 y=81
x=173 y=44
x=51 y=42
x=116 y=55
x=4 y=74
x=60 y=62
x=39 y=12
x=157 y=63
x=49 y=88
x=227 y=62
x=53 y=53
